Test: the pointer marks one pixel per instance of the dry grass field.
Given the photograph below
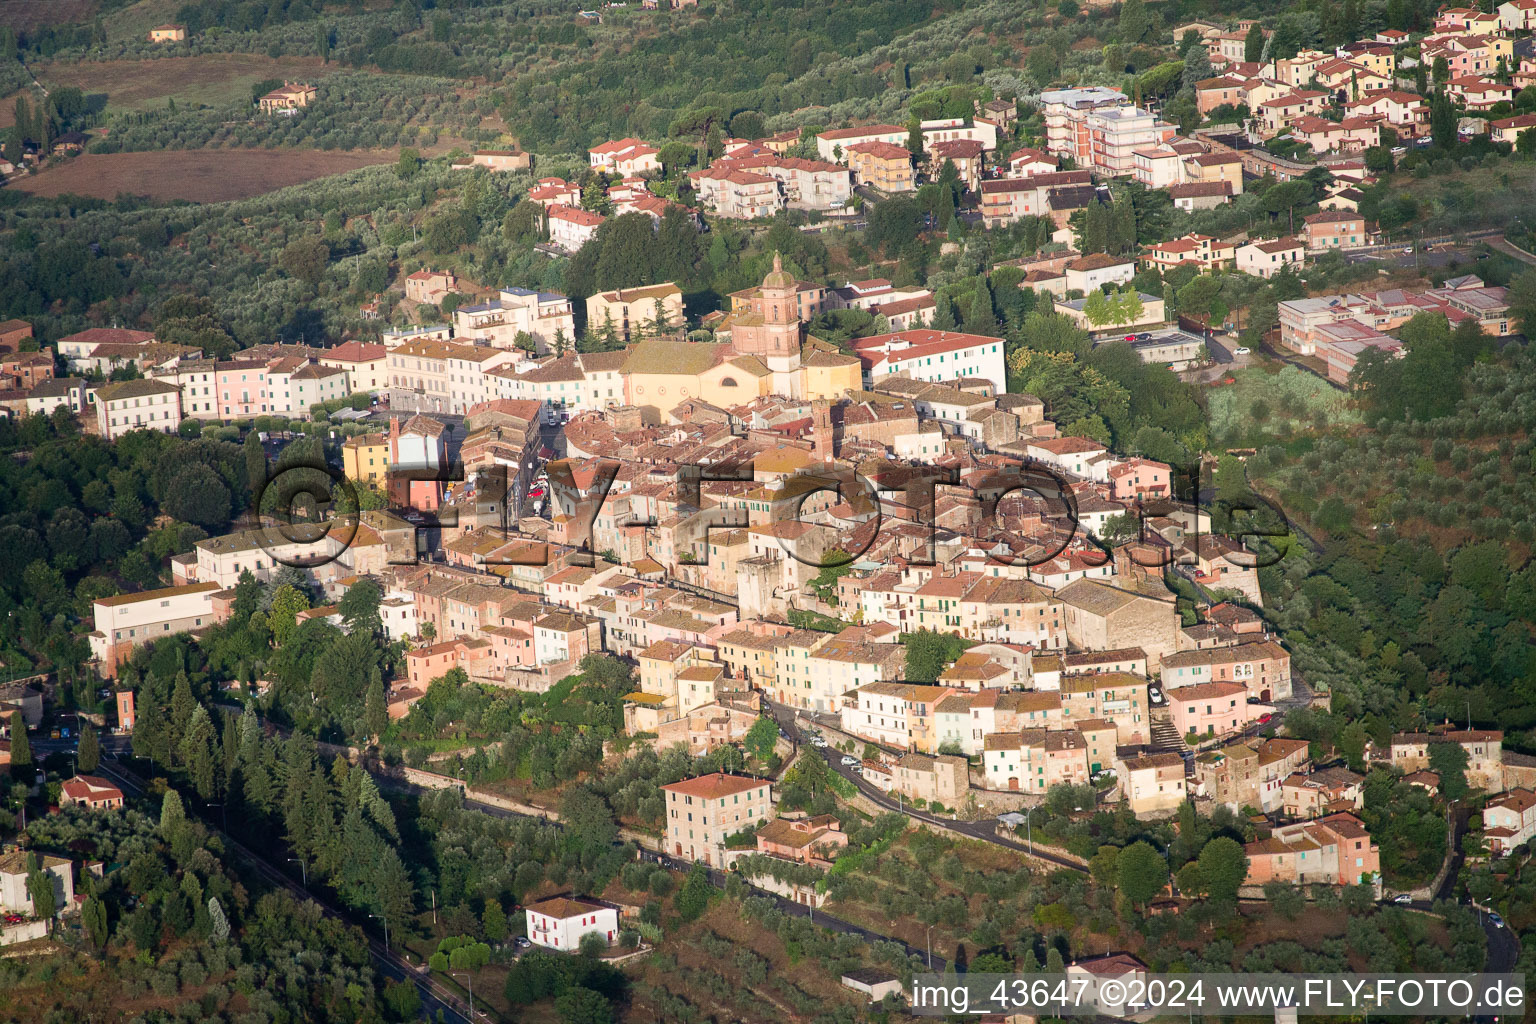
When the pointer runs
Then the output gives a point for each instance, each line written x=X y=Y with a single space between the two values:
x=25 y=14
x=202 y=176
x=211 y=79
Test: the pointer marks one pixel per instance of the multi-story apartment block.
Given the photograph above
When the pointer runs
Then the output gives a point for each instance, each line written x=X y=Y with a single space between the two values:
x=127 y=621
x=702 y=812
x=1210 y=709
x=131 y=405
x=1066 y=113
x=571 y=227
x=1034 y=760
x=934 y=356
x=882 y=165
x=546 y=317
x=633 y=312
x=896 y=715
x=1264 y=667
x=438 y=376
x=833 y=144
x=1117 y=697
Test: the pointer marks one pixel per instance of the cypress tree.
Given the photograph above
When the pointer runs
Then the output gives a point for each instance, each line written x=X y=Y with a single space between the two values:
x=981 y=319
x=88 y=751
x=21 y=749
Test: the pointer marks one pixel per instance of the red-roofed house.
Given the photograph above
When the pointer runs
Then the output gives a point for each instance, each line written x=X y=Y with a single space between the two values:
x=1509 y=821
x=1508 y=129
x=562 y=922
x=1209 y=253
x=571 y=227
x=429 y=286
x=1334 y=229
x=90 y=792
x=624 y=157
x=365 y=362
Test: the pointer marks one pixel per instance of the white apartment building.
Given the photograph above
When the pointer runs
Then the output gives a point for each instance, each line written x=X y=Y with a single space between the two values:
x=137 y=405
x=437 y=376
x=542 y=315
x=954 y=129
x=570 y=227
x=934 y=356
x=1266 y=257
x=1066 y=114
x=1116 y=132
x=127 y=621
x=293 y=390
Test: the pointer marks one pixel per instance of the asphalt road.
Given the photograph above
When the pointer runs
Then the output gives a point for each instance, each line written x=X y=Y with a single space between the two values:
x=984 y=829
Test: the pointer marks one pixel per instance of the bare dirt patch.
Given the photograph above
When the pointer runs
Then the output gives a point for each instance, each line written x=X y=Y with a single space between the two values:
x=201 y=176
x=25 y=14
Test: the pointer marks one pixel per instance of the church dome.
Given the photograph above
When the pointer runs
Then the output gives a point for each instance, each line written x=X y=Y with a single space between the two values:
x=779 y=277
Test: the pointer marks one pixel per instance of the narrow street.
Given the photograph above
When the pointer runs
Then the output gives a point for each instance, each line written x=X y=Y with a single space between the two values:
x=984 y=829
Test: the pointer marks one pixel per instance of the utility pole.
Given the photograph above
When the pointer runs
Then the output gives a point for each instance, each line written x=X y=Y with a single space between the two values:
x=471 y=979
x=303 y=871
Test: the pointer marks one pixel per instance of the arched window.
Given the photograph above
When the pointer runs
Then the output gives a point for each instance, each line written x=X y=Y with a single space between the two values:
x=728 y=382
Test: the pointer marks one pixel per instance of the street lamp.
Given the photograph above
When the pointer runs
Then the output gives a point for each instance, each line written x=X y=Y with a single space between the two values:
x=1029 y=833
x=385 y=922
x=471 y=979
x=303 y=871
x=930 y=947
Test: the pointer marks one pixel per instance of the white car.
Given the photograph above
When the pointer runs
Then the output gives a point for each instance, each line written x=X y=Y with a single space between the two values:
x=1402 y=897
x=1155 y=694
x=817 y=741
x=1243 y=351
x=849 y=761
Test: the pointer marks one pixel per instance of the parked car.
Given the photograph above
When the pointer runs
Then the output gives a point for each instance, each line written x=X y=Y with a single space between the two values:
x=521 y=943
x=1155 y=694
x=818 y=741
x=1242 y=350
x=849 y=761
x=1495 y=920
x=1408 y=251
x=1130 y=337
x=1402 y=897
x=1144 y=336
x=1264 y=718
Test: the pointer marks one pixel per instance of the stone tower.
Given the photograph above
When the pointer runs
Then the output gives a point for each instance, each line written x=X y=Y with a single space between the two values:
x=776 y=340
x=821 y=429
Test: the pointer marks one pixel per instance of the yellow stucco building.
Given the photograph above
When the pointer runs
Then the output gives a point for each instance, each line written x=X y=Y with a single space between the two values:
x=365 y=458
